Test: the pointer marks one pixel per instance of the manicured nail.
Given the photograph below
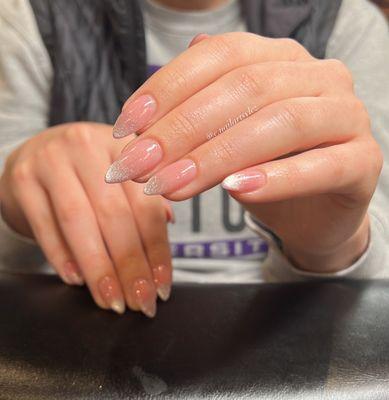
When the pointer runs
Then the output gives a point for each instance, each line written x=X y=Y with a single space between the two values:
x=110 y=292
x=134 y=116
x=162 y=280
x=171 y=178
x=244 y=182
x=198 y=38
x=145 y=296
x=72 y=274
x=139 y=159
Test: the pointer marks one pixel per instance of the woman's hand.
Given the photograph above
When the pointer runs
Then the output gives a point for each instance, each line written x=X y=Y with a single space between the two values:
x=113 y=238
x=282 y=130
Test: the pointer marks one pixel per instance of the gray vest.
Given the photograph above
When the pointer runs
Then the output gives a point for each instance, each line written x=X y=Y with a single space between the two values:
x=97 y=47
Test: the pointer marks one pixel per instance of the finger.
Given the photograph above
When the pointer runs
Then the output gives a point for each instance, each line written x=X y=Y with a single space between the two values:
x=151 y=218
x=188 y=73
x=289 y=126
x=79 y=226
x=198 y=38
x=119 y=230
x=334 y=169
x=222 y=105
x=38 y=210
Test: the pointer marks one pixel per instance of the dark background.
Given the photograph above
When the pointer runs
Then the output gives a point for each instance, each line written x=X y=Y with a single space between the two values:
x=384 y=4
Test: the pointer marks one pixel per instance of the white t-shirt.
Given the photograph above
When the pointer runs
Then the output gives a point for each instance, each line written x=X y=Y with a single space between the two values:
x=210 y=240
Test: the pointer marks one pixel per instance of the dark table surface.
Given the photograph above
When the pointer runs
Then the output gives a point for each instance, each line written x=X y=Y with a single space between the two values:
x=327 y=340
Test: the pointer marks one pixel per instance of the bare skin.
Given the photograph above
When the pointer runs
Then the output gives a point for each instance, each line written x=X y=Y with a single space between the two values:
x=294 y=160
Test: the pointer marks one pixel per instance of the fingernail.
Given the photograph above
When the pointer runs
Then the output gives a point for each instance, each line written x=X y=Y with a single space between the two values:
x=145 y=296
x=162 y=280
x=139 y=159
x=171 y=178
x=110 y=292
x=198 y=38
x=134 y=116
x=243 y=182
x=72 y=274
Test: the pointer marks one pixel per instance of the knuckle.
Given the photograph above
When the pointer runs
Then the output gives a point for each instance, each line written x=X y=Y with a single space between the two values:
x=296 y=49
x=225 y=152
x=376 y=158
x=183 y=123
x=223 y=47
x=48 y=154
x=292 y=115
x=174 y=80
x=248 y=81
x=21 y=173
x=340 y=71
x=360 y=111
x=70 y=212
x=79 y=134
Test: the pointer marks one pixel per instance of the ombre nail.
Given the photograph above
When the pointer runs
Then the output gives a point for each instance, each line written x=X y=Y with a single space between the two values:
x=145 y=296
x=134 y=116
x=245 y=181
x=110 y=292
x=171 y=178
x=139 y=159
x=72 y=274
x=162 y=280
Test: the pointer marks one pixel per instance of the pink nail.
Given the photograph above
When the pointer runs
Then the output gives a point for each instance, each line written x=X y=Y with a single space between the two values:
x=245 y=181
x=139 y=159
x=145 y=295
x=72 y=274
x=171 y=178
x=198 y=38
x=134 y=116
x=162 y=280
x=110 y=292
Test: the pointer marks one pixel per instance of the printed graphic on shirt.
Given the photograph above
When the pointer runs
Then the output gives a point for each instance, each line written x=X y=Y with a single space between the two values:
x=211 y=225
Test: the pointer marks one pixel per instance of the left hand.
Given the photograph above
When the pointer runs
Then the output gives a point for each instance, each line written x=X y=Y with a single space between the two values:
x=287 y=126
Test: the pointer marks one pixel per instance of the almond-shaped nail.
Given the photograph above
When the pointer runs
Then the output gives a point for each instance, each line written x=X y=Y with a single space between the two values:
x=72 y=274
x=134 y=116
x=245 y=182
x=171 y=178
x=140 y=158
x=111 y=293
x=145 y=295
x=162 y=280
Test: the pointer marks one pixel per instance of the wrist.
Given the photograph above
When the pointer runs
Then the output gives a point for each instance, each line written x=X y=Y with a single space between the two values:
x=335 y=260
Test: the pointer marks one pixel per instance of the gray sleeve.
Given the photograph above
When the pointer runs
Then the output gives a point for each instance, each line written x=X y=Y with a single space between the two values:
x=361 y=40
x=25 y=80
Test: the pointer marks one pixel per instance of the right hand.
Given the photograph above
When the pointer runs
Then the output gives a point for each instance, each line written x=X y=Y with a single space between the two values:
x=112 y=237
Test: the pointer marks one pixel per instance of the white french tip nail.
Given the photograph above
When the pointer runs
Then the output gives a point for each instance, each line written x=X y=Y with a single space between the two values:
x=232 y=182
